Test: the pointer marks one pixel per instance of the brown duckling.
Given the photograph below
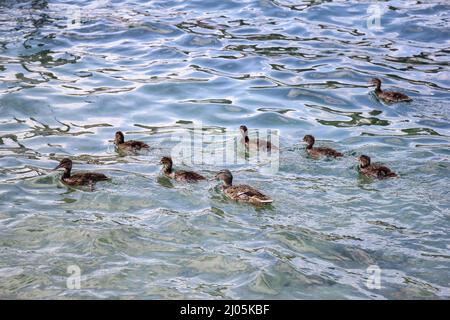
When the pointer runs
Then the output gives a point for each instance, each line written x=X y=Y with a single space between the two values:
x=388 y=96
x=180 y=175
x=373 y=170
x=317 y=152
x=78 y=179
x=256 y=143
x=128 y=146
x=241 y=192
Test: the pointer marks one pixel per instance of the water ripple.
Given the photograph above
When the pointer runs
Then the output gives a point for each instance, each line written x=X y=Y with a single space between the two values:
x=74 y=72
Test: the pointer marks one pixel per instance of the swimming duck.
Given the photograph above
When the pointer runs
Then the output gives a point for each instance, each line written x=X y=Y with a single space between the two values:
x=388 y=96
x=129 y=146
x=373 y=170
x=316 y=152
x=78 y=179
x=180 y=175
x=241 y=192
x=256 y=143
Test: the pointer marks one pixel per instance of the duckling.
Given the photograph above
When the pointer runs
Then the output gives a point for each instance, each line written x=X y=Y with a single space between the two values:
x=373 y=170
x=316 y=152
x=241 y=192
x=256 y=143
x=78 y=179
x=129 y=146
x=388 y=96
x=180 y=175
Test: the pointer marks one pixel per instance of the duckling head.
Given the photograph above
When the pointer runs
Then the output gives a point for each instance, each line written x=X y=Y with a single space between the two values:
x=166 y=162
x=226 y=176
x=309 y=139
x=243 y=129
x=120 y=138
x=65 y=164
x=375 y=82
x=364 y=161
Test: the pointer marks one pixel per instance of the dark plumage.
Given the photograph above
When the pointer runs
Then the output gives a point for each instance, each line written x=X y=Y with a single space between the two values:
x=241 y=192
x=180 y=175
x=388 y=96
x=374 y=170
x=128 y=146
x=316 y=152
x=78 y=179
x=255 y=144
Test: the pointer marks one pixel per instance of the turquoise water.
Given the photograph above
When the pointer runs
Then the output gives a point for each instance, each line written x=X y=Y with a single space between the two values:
x=70 y=78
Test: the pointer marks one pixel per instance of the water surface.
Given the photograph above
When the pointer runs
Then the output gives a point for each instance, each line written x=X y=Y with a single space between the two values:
x=70 y=78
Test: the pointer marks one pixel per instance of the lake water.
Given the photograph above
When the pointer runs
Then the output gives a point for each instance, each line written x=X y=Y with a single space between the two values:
x=72 y=73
